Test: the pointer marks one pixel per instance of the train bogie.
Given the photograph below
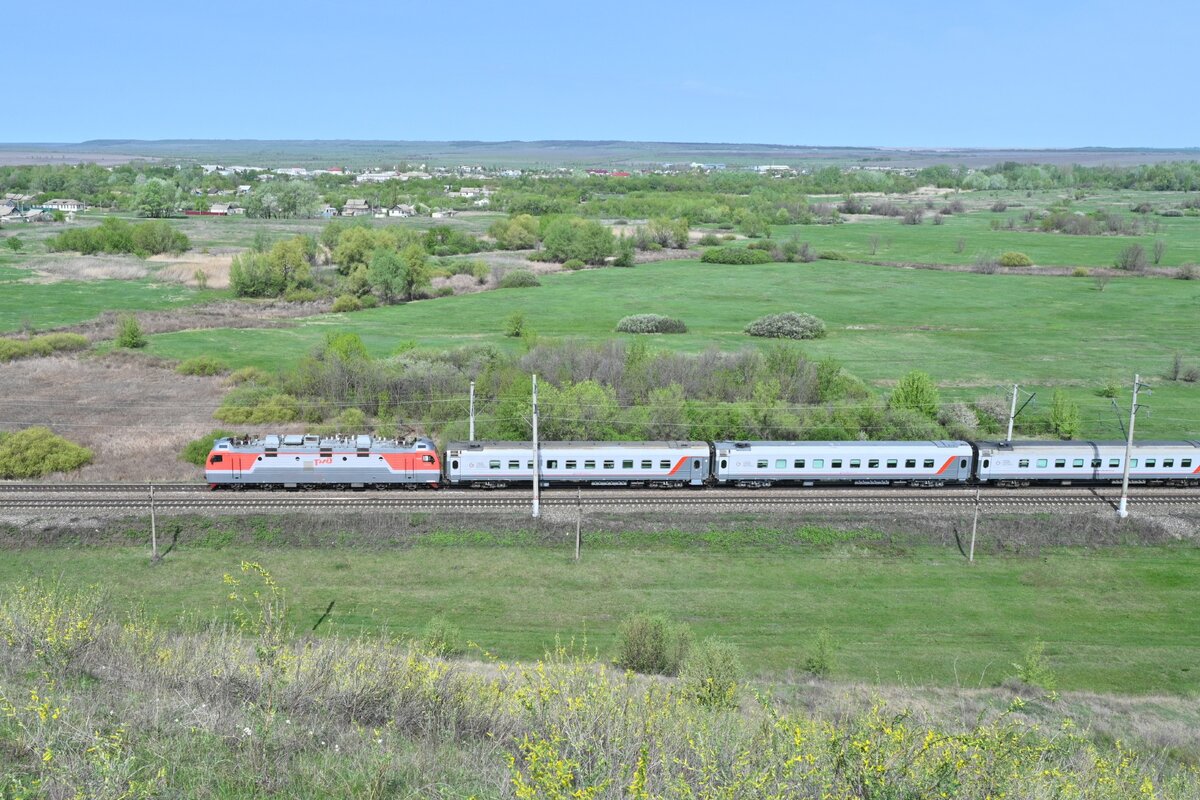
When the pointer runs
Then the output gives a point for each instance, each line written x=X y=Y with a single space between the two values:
x=762 y=464
x=312 y=461
x=653 y=464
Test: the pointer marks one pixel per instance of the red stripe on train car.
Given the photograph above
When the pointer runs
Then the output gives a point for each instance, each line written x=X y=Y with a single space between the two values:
x=946 y=466
x=677 y=467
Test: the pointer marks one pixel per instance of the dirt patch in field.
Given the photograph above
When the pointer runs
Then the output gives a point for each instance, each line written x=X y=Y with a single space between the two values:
x=136 y=418
x=223 y=314
x=184 y=269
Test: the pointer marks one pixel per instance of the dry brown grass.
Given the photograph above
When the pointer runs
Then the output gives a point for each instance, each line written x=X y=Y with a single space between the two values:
x=135 y=417
x=222 y=314
x=183 y=269
x=89 y=268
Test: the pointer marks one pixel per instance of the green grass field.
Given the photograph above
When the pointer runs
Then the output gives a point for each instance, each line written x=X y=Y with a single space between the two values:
x=1113 y=620
x=975 y=334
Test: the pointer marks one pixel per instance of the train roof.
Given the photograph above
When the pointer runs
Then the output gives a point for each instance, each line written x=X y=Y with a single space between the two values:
x=1042 y=444
x=744 y=445
x=314 y=441
x=582 y=445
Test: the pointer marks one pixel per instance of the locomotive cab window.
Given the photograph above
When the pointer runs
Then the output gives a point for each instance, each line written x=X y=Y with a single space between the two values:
x=216 y=459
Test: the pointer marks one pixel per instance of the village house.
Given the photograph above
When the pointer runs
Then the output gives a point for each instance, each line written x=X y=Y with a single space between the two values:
x=443 y=214
x=63 y=205
x=356 y=208
x=402 y=210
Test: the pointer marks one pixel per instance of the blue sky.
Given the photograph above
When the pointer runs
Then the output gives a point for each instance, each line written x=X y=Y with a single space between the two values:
x=966 y=74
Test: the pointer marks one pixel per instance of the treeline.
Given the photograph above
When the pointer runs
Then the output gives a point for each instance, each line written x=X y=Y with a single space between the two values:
x=115 y=235
x=605 y=392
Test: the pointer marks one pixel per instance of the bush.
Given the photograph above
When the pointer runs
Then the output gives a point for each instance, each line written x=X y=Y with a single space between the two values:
x=832 y=255
x=999 y=207
x=11 y=349
x=1034 y=670
x=1080 y=272
x=711 y=674
x=247 y=375
x=514 y=324
x=368 y=301
x=1132 y=258
x=650 y=323
x=1014 y=259
x=916 y=391
x=196 y=451
x=652 y=644
x=115 y=235
x=441 y=638
x=735 y=255
x=299 y=295
x=444 y=291
x=1188 y=272
x=346 y=303
x=573 y=264
x=789 y=325
x=38 y=451
x=709 y=240
x=912 y=216
x=519 y=279
x=129 y=332
x=256 y=405
x=822 y=660
x=201 y=365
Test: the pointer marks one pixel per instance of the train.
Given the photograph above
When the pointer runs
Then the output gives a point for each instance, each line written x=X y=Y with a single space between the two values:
x=366 y=462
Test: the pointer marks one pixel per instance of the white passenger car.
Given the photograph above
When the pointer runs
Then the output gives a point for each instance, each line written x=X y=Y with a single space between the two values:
x=1021 y=463
x=500 y=464
x=761 y=464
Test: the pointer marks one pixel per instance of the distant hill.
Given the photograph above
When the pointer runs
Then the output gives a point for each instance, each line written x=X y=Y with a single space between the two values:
x=572 y=153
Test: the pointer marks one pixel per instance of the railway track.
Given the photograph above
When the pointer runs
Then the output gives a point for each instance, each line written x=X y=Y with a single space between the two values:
x=196 y=498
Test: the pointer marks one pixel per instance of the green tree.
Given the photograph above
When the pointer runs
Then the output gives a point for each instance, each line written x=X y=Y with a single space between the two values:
x=916 y=391
x=354 y=248
x=345 y=347
x=416 y=270
x=156 y=198
x=14 y=243
x=1064 y=416
x=386 y=273
x=129 y=332
x=291 y=262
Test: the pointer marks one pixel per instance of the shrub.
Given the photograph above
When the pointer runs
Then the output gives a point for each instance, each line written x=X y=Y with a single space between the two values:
x=368 y=301
x=129 y=332
x=519 y=279
x=651 y=323
x=476 y=269
x=917 y=392
x=514 y=324
x=196 y=451
x=441 y=638
x=38 y=451
x=247 y=375
x=1014 y=259
x=1080 y=272
x=832 y=255
x=201 y=365
x=822 y=660
x=789 y=325
x=15 y=244
x=444 y=291
x=709 y=240
x=712 y=673
x=985 y=265
x=573 y=264
x=1033 y=668
x=652 y=644
x=11 y=349
x=729 y=237
x=912 y=216
x=301 y=295
x=256 y=405
x=735 y=255
x=1064 y=416
x=999 y=207
x=346 y=303
x=1132 y=258
x=1188 y=272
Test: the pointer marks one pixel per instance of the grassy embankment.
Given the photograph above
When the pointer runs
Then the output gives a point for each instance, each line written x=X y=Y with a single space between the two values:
x=1114 y=619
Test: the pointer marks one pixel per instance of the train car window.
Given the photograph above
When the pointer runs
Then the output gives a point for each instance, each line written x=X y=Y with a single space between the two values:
x=1077 y=463
x=781 y=463
x=1187 y=462
x=269 y=454
x=927 y=463
x=1133 y=462
x=724 y=463
x=570 y=464
x=855 y=463
x=216 y=459
x=552 y=464
x=589 y=464
x=1113 y=463
x=836 y=463
x=962 y=463
x=1042 y=463
x=343 y=458
x=1060 y=463
x=493 y=465
x=1097 y=463
x=260 y=458
x=454 y=464
x=1168 y=462
x=695 y=463
x=892 y=463
x=610 y=465
x=647 y=464
x=798 y=463
x=987 y=462
x=818 y=463
x=664 y=464
x=1023 y=463
x=529 y=465
x=873 y=463
x=297 y=458
x=626 y=465
x=514 y=464
x=1150 y=462
x=762 y=463
x=910 y=463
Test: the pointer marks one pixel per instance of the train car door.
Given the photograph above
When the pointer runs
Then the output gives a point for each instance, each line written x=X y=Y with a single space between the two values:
x=410 y=470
